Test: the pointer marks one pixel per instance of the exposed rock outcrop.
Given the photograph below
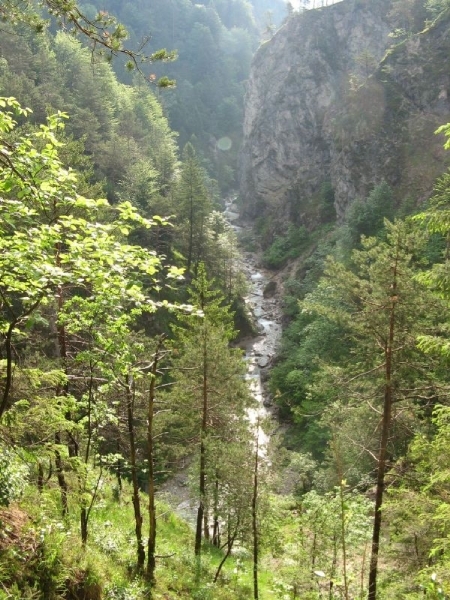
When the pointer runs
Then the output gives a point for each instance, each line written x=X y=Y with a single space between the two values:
x=331 y=100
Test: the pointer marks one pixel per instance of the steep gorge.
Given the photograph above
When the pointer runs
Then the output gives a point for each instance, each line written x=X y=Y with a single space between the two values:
x=332 y=98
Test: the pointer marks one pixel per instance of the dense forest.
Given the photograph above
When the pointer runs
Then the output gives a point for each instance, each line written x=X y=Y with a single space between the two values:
x=123 y=314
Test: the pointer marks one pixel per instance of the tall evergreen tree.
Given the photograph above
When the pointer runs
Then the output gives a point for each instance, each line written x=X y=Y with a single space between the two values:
x=193 y=205
x=381 y=304
x=210 y=390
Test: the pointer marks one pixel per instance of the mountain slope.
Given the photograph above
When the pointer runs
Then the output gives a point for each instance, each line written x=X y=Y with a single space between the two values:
x=329 y=101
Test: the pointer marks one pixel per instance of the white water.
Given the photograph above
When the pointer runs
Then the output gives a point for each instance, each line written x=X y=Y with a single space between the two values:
x=259 y=352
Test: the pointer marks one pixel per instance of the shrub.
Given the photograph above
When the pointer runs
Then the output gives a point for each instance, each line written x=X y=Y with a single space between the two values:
x=286 y=247
x=13 y=476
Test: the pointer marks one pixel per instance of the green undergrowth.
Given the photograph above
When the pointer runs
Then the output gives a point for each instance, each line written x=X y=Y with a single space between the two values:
x=286 y=247
x=41 y=556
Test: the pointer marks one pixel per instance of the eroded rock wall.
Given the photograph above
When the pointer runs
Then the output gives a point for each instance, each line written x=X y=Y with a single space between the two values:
x=328 y=101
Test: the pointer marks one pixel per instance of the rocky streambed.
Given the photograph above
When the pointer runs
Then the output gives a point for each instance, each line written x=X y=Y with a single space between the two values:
x=264 y=303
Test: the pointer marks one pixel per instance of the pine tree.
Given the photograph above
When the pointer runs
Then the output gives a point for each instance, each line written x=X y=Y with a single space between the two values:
x=192 y=205
x=210 y=391
x=382 y=307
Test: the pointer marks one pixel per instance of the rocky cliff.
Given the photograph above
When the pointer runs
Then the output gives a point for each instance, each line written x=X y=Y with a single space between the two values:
x=333 y=99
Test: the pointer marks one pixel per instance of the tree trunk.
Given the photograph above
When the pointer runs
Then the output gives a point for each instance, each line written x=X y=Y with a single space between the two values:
x=61 y=353
x=8 y=380
x=84 y=525
x=206 y=522
x=343 y=532
x=40 y=479
x=84 y=512
x=216 y=527
x=136 y=500
x=386 y=423
x=151 y=548
x=202 y=477
x=118 y=471
x=201 y=505
x=60 y=476
x=9 y=363
x=191 y=233
x=230 y=543
x=255 y=517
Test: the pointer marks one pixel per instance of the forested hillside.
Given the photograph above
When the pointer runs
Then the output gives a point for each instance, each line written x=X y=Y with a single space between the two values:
x=111 y=325
x=215 y=42
x=122 y=305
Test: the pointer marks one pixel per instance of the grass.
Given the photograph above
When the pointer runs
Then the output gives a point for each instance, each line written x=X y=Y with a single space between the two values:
x=41 y=557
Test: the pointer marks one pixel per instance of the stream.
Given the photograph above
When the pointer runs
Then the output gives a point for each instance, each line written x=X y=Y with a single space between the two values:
x=265 y=306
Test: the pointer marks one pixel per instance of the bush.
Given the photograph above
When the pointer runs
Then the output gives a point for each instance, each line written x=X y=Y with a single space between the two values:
x=286 y=247
x=13 y=476
x=126 y=591
x=367 y=217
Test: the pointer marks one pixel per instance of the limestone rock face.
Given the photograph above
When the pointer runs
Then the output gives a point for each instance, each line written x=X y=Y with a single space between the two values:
x=328 y=101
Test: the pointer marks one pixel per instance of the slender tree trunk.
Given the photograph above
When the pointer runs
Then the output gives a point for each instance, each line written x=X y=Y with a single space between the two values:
x=201 y=506
x=313 y=552
x=136 y=500
x=202 y=476
x=339 y=470
x=230 y=543
x=40 y=480
x=216 y=528
x=62 y=390
x=84 y=512
x=191 y=233
x=118 y=471
x=363 y=570
x=9 y=365
x=386 y=423
x=151 y=547
x=199 y=252
x=61 y=478
x=42 y=477
x=206 y=521
x=343 y=541
x=87 y=452
x=84 y=525
x=255 y=517
x=60 y=351
x=333 y=568
x=9 y=350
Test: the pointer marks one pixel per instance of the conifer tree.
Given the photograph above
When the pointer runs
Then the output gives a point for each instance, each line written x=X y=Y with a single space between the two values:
x=381 y=305
x=106 y=34
x=193 y=205
x=210 y=391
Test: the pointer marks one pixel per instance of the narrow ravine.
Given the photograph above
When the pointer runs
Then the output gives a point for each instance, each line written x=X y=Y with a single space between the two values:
x=263 y=301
